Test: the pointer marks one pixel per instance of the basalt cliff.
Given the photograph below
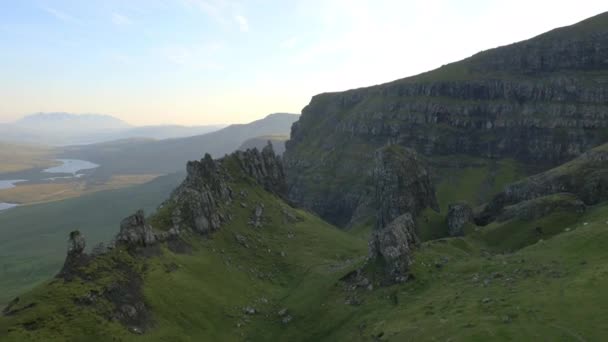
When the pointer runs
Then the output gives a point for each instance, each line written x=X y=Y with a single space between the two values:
x=542 y=101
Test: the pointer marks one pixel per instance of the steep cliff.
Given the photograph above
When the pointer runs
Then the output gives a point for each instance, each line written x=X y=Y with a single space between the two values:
x=543 y=100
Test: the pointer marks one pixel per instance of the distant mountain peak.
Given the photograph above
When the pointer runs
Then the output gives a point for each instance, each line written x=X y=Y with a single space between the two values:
x=54 y=118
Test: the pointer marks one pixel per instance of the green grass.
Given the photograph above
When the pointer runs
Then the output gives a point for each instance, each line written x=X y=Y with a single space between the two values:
x=465 y=289
x=33 y=239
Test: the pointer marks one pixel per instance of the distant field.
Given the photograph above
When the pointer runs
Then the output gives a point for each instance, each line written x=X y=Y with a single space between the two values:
x=14 y=158
x=33 y=238
x=37 y=193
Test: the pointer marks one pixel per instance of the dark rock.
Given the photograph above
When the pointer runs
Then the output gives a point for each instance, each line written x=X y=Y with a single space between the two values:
x=265 y=167
x=76 y=257
x=135 y=232
x=256 y=215
x=286 y=319
x=89 y=299
x=459 y=214
x=393 y=245
x=402 y=185
x=241 y=240
x=250 y=310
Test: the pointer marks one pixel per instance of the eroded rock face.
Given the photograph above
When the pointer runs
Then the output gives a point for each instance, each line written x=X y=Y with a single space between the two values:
x=134 y=231
x=201 y=202
x=541 y=101
x=459 y=214
x=402 y=185
x=76 y=256
x=392 y=245
x=265 y=167
x=402 y=190
x=198 y=200
x=76 y=243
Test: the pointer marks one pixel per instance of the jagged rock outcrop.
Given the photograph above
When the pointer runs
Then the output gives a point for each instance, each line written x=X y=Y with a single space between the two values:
x=544 y=100
x=391 y=246
x=134 y=231
x=459 y=214
x=402 y=185
x=586 y=177
x=265 y=167
x=76 y=255
x=200 y=203
x=403 y=189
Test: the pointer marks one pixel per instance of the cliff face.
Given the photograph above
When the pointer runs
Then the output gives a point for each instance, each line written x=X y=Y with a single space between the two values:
x=402 y=185
x=544 y=100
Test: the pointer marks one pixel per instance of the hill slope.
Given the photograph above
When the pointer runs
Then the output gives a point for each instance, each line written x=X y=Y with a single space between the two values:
x=242 y=265
x=166 y=156
x=32 y=238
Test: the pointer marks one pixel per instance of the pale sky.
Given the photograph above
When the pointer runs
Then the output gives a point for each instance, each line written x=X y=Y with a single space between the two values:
x=221 y=61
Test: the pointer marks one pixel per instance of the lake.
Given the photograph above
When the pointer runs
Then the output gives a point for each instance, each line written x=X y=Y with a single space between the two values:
x=71 y=166
x=4 y=206
x=7 y=184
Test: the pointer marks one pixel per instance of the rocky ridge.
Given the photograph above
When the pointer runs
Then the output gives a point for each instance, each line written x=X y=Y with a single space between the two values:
x=201 y=204
x=585 y=178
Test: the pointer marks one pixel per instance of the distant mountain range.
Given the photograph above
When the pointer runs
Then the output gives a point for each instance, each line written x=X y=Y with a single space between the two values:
x=136 y=156
x=75 y=129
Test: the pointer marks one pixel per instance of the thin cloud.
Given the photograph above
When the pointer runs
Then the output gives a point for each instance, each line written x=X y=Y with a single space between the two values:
x=121 y=20
x=59 y=14
x=225 y=12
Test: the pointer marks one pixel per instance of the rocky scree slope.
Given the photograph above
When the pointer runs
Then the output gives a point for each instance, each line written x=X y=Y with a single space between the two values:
x=543 y=100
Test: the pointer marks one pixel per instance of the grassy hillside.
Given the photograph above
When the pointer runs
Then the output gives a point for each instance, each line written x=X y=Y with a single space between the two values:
x=33 y=238
x=203 y=298
x=465 y=289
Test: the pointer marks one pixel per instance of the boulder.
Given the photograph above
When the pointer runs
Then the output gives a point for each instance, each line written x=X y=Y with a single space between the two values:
x=459 y=214
x=392 y=245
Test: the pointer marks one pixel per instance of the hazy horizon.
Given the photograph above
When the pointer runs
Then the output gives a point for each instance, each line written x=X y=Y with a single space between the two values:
x=203 y=62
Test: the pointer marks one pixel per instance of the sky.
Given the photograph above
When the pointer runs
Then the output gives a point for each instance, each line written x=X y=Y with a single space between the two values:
x=196 y=62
